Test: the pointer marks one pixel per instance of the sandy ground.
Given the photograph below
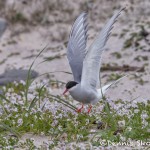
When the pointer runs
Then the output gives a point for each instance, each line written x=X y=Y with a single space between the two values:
x=19 y=50
x=21 y=43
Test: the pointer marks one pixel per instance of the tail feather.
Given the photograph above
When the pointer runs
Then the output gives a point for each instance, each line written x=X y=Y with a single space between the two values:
x=106 y=87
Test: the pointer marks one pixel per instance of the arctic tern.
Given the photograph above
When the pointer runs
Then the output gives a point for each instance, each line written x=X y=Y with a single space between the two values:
x=85 y=63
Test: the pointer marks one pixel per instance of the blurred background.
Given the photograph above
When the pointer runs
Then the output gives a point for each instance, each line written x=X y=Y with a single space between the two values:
x=26 y=27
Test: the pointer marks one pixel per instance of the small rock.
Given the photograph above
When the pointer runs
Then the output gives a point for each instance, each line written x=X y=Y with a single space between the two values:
x=118 y=131
x=16 y=75
x=100 y=125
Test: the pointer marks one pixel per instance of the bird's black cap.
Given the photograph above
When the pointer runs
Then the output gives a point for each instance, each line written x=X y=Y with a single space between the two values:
x=70 y=84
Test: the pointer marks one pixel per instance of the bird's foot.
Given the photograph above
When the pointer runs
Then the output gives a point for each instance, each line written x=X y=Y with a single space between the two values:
x=80 y=109
x=89 y=110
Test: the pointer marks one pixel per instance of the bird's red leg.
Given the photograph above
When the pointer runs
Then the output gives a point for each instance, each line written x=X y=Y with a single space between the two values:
x=90 y=107
x=79 y=109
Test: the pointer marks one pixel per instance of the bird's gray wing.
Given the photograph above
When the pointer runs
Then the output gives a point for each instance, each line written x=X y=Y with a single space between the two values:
x=91 y=64
x=76 y=48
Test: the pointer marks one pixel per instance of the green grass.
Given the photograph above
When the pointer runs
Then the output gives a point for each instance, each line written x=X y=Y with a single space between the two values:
x=53 y=116
x=29 y=108
x=136 y=38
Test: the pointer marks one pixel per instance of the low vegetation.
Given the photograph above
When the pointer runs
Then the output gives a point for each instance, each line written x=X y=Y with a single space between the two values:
x=30 y=107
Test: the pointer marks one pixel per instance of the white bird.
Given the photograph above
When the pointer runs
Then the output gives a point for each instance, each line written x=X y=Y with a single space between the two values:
x=85 y=63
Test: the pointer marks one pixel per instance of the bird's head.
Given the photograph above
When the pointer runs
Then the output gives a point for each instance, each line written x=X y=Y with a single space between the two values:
x=69 y=86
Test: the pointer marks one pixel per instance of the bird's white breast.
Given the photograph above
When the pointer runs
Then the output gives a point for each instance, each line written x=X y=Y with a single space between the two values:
x=84 y=95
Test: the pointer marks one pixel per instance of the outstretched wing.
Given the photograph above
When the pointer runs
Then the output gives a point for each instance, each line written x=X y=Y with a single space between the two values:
x=91 y=64
x=76 y=49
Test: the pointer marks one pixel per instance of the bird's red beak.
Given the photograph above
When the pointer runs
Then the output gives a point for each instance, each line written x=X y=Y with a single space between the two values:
x=66 y=90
